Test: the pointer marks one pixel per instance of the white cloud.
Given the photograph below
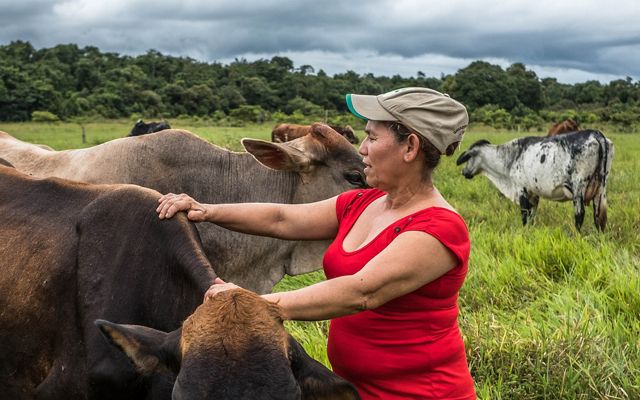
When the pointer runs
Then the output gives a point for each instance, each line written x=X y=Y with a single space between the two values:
x=578 y=40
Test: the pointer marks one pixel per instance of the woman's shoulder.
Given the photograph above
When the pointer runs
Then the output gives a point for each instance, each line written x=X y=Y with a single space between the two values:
x=360 y=193
x=443 y=222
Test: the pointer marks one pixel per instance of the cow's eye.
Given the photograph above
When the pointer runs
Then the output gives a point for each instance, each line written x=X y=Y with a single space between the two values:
x=355 y=178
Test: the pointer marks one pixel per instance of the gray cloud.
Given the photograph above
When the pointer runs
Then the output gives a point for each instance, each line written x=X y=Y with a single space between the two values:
x=576 y=40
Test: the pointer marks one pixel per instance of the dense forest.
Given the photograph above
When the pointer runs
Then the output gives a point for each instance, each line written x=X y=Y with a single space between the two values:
x=67 y=82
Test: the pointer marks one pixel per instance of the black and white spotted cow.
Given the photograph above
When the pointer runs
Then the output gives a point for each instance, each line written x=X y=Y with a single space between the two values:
x=573 y=166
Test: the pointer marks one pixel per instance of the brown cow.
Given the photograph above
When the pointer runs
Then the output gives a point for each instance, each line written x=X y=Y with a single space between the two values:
x=566 y=126
x=312 y=168
x=72 y=253
x=286 y=132
x=234 y=346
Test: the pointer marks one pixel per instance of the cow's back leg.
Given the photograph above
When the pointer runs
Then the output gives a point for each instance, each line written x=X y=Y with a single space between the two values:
x=600 y=209
x=578 y=211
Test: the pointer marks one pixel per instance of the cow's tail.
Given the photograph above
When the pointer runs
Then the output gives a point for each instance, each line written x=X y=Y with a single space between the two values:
x=606 y=151
x=606 y=156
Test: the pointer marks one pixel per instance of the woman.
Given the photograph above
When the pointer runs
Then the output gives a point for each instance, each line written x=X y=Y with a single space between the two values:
x=398 y=259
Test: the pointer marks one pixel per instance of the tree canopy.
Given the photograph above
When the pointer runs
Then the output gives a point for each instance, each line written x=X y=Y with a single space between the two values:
x=68 y=81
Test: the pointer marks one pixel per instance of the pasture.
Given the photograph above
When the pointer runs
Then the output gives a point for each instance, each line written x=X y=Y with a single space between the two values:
x=546 y=312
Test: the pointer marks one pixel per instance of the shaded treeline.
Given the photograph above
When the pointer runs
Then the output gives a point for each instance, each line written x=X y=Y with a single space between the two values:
x=67 y=81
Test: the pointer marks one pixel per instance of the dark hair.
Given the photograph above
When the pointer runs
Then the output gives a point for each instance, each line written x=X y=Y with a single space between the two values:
x=431 y=153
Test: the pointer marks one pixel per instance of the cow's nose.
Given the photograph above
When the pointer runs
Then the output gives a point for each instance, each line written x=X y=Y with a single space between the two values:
x=467 y=175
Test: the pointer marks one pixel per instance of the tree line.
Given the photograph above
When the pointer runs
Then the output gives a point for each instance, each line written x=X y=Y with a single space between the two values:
x=67 y=82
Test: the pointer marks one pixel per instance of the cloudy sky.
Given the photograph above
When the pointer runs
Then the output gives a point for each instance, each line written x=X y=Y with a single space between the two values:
x=573 y=40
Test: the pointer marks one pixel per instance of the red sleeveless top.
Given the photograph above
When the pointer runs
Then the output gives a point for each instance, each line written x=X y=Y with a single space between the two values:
x=410 y=347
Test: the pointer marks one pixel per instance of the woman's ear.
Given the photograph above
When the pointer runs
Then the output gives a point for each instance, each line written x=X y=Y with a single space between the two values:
x=413 y=147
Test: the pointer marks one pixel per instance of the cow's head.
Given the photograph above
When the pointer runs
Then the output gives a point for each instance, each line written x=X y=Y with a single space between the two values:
x=233 y=346
x=323 y=157
x=348 y=132
x=140 y=128
x=472 y=159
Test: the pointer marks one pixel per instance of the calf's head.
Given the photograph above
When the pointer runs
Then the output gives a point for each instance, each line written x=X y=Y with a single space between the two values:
x=233 y=346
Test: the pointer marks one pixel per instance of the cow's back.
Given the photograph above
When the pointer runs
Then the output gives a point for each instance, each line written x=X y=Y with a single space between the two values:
x=179 y=161
x=551 y=166
x=287 y=132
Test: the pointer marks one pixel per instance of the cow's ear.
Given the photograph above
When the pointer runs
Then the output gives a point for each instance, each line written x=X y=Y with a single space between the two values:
x=150 y=350
x=464 y=157
x=277 y=156
x=315 y=380
x=6 y=163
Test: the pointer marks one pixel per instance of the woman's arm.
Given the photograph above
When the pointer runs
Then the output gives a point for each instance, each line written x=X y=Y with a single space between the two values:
x=312 y=221
x=412 y=260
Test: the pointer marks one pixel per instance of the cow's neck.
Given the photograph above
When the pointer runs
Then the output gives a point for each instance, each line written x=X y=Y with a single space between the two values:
x=497 y=168
x=238 y=177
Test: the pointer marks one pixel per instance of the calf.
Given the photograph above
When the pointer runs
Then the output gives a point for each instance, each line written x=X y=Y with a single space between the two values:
x=142 y=128
x=566 y=126
x=286 y=132
x=573 y=167
x=234 y=346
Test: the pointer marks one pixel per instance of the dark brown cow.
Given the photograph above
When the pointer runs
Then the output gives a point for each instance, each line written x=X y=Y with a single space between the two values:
x=286 y=132
x=566 y=126
x=142 y=128
x=233 y=346
x=312 y=168
x=71 y=253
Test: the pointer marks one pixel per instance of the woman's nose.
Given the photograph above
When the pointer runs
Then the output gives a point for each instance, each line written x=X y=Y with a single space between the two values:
x=362 y=148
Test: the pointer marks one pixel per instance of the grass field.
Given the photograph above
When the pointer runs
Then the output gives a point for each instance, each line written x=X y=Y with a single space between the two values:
x=546 y=312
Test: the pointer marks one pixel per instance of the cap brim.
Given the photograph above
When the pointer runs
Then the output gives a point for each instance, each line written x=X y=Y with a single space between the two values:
x=367 y=107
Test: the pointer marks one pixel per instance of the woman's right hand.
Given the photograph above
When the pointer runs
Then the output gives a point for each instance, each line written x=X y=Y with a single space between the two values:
x=171 y=203
x=218 y=286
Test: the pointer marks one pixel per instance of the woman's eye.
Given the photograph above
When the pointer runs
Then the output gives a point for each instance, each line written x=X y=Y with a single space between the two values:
x=355 y=178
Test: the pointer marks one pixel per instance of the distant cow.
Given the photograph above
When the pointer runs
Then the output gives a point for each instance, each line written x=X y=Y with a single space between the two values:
x=72 y=253
x=566 y=126
x=573 y=166
x=286 y=132
x=142 y=128
x=315 y=167
x=233 y=346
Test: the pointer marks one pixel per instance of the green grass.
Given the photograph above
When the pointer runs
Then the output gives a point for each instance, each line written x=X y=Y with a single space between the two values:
x=546 y=312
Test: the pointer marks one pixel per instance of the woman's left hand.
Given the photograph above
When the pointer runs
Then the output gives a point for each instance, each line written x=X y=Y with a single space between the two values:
x=218 y=286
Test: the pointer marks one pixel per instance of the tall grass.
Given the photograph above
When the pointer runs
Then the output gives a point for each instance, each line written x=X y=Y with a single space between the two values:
x=546 y=312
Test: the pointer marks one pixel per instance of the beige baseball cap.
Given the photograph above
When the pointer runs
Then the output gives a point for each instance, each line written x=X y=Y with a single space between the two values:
x=434 y=115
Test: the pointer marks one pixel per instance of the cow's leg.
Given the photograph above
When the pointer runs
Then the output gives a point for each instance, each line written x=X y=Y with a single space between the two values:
x=533 y=200
x=578 y=210
x=600 y=209
x=526 y=207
